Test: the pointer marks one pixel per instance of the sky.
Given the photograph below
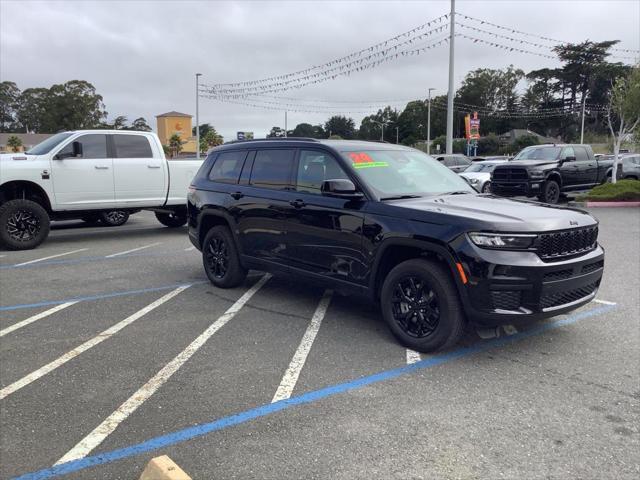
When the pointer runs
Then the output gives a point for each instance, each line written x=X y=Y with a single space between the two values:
x=142 y=56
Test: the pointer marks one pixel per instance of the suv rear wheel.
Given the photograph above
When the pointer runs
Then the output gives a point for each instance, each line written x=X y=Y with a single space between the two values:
x=421 y=307
x=23 y=224
x=221 y=260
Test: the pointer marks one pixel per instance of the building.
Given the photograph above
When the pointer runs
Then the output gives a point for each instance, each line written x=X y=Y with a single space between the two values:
x=29 y=140
x=171 y=123
x=513 y=135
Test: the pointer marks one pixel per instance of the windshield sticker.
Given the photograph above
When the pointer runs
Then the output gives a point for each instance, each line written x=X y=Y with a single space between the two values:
x=363 y=160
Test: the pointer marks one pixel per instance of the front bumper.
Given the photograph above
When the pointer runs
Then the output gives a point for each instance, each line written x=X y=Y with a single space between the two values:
x=508 y=286
x=513 y=189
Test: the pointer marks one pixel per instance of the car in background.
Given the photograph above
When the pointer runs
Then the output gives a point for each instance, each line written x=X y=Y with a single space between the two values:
x=629 y=167
x=493 y=157
x=455 y=162
x=478 y=175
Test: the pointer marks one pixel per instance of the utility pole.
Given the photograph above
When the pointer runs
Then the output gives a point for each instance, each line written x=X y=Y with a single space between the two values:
x=429 y=124
x=285 y=124
x=197 y=118
x=452 y=22
x=381 y=129
x=584 y=99
x=397 y=135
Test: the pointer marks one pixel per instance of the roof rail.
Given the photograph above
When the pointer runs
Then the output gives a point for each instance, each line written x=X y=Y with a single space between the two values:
x=269 y=139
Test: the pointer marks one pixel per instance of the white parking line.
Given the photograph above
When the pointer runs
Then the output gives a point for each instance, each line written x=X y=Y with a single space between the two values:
x=52 y=256
x=290 y=378
x=189 y=249
x=412 y=356
x=37 y=317
x=102 y=431
x=132 y=250
x=605 y=302
x=108 y=333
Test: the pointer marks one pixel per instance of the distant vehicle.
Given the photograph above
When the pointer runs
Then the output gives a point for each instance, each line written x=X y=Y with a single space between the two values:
x=493 y=157
x=546 y=171
x=91 y=175
x=479 y=174
x=630 y=167
x=455 y=162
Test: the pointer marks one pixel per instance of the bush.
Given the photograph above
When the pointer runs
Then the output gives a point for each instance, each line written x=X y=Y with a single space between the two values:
x=621 y=191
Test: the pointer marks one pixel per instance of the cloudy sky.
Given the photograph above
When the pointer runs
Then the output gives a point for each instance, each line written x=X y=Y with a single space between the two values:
x=142 y=55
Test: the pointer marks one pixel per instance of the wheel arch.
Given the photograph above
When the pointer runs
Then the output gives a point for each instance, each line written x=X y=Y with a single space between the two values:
x=24 y=189
x=210 y=219
x=556 y=177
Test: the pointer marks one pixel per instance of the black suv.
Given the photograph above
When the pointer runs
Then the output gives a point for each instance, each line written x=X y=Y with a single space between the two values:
x=394 y=224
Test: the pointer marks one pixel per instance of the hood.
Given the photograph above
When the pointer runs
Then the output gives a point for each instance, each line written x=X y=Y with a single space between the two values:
x=528 y=163
x=9 y=157
x=491 y=213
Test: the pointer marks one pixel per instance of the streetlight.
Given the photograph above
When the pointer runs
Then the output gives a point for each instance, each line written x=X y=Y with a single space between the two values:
x=197 y=117
x=429 y=124
x=397 y=135
x=382 y=124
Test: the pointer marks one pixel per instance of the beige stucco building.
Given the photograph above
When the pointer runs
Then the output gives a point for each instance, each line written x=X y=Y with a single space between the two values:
x=171 y=123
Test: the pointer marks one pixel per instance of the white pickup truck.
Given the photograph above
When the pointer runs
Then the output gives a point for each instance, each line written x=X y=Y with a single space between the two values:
x=91 y=174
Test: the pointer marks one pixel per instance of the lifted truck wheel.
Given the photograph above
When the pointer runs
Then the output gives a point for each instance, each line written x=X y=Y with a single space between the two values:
x=171 y=220
x=114 y=218
x=550 y=192
x=421 y=307
x=23 y=224
x=220 y=258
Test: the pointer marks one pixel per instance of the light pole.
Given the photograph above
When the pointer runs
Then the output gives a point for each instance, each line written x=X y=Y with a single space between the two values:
x=452 y=20
x=429 y=123
x=397 y=135
x=584 y=99
x=382 y=124
x=198 y=75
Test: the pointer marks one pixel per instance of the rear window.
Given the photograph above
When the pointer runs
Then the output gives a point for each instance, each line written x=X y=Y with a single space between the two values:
x=227 y=167
x=272 y=169
x=132 y=146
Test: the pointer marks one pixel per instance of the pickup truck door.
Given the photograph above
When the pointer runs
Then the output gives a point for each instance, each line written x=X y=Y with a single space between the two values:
x=86 y=178
x=139 y=174
x=569 y=170
x=587 y=166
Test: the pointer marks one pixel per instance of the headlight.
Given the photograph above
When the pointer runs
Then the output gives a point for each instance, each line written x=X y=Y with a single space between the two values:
x=473 y=181
x=516 y=241
x=536 y=174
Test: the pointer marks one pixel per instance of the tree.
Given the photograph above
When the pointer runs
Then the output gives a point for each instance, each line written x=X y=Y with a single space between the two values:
x=525 y=141
x=342 y=126
x=14 y=142
x=9 y=95
x=308 y=130
x=32 y=110
x=175 y=144
x=275 y=132
x=623 y=112
x=119 y=123
x=210 y=140
x=204 y=129
x=370 y=128
x=140 y=124
x=74 y=105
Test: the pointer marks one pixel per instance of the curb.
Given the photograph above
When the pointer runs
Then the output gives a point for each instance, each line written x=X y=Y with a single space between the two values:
x=163 y=468
x=613 y=204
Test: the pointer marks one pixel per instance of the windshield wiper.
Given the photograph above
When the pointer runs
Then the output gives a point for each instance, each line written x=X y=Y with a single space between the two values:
x=400 y=197
x=457 y=192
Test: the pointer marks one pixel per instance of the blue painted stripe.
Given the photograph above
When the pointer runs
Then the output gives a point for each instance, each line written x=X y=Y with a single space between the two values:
x=98 y=297
x=306 y=398
x=73 y=261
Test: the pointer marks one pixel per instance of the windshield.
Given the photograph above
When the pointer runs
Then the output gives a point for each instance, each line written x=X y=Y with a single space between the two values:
x=537 y=153
x=48 y=144
x=394 y=173
x=481 y=167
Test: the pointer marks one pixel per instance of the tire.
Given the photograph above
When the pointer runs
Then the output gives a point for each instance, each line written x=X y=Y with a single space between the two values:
x=114 y=218
x=550 y=192
x=171 y=220
x=441 y=325
x=220 y=259
x=23 y=225
x=486 y=188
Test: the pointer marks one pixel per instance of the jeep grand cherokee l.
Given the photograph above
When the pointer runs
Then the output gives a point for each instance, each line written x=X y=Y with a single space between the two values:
x=394 y=224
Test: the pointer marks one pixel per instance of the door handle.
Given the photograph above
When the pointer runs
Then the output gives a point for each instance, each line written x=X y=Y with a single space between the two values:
x=153 y=166
x=237 y=195
x=297 y=203
x=101 y=167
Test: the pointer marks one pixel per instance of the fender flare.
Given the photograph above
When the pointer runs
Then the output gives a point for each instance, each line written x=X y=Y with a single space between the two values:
x=46 y=204
x=219 y=214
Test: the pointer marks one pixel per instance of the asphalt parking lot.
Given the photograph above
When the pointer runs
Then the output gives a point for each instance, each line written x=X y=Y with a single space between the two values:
x=114 y=349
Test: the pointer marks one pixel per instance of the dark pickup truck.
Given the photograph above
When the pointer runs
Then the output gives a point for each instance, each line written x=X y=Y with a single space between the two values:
x=546 y=171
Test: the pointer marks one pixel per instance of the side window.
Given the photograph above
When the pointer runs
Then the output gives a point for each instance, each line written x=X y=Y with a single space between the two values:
x=132 y=146
x=227 y=167
x=93 y=146
x=567 y=152
x=581 y=154
x=314 y=168
x=272 y=169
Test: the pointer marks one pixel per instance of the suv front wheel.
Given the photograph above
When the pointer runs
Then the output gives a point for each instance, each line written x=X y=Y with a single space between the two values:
x=221 y=260
x=421 y=307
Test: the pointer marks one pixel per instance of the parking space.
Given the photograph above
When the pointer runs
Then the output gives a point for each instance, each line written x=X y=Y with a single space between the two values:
x=114 y=349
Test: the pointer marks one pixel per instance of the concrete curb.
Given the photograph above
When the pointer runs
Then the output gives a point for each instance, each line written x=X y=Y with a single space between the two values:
x=613 y=204
x=163 y=468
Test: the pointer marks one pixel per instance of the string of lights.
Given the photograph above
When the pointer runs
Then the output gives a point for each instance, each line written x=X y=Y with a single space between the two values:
x=410 y=35
x=505 y=47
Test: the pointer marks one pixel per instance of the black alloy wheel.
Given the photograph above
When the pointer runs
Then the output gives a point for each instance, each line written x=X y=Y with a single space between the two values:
x=114 y=218
x=217 y=256
x=551 y=192
x=416 y=309
x=24 y=224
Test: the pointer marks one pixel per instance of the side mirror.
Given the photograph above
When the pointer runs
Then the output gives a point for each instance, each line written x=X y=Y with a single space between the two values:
x=340 y=188
x=76 y=151
x=570 y=159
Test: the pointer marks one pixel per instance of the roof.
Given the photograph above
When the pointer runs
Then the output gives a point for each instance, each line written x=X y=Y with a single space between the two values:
x=341 y=145
x=174 y=114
